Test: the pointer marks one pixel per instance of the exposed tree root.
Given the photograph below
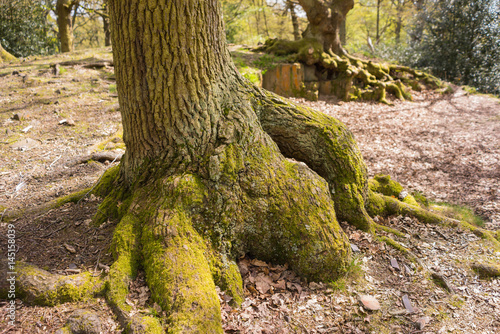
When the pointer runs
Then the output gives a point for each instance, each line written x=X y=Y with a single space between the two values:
x=40 y=209
x=353 y=78
x=326 y=146
x=40 y=287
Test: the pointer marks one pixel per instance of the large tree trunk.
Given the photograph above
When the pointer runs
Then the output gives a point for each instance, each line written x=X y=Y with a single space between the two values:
x=325 y=19
x=65 y=24
x=201 y=182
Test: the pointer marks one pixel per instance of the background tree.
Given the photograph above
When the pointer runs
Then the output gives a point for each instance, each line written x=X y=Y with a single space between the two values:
x=64 y=12
x=473 y=29
x=325 y=19
x=290 y=5
x=26 y=29
x=254 y=21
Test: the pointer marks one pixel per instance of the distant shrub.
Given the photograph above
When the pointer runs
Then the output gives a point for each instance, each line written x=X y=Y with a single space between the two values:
x=25 y=28
x=460 y=42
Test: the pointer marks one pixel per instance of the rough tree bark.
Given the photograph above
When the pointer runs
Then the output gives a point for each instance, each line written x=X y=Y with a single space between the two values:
x=65 y=24
x=325 y=20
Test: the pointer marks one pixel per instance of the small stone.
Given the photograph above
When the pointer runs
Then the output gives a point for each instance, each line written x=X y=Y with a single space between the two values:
x=403 y=194
x=19 y=116
x=26 y=129
x=25 y=144
x=70 y=248
x=394 y=264
x=354 y=248
x=72 y=266
x=408 y=270
x=422 y=322
x=407 y=304
x=67 y=122
x=370 y=303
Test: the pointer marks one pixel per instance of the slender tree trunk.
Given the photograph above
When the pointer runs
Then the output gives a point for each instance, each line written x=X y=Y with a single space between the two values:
x=107 y=31
x=106 y=25
x=262 y=5
x=397 y=29
x=325 y=19
x=343 y=32
x=377 y=36
x=257 y=17
x=65 y=25
x=295 y=20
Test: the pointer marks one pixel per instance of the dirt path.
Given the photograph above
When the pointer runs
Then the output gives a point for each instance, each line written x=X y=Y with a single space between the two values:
x=447 y=147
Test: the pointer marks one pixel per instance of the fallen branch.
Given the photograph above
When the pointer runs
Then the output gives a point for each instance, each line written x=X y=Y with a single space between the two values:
x=97 y=156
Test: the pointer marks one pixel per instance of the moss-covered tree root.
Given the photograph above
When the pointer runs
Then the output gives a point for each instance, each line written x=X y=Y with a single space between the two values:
x=386 y=197
x=40 y=287
x=325 y=145
x=185 y=223
x=185 y=231
x=353 y=78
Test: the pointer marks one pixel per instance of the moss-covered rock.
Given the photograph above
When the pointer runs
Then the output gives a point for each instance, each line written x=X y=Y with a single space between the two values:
x=366 y=80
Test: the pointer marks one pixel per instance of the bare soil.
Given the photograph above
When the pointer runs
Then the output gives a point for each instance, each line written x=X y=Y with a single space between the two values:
x=445 y=146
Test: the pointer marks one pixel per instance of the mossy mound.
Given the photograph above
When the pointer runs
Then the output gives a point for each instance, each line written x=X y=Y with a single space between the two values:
x=352 y=78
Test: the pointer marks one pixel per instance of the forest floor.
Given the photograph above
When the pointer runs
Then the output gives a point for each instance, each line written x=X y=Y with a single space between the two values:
x=446 y=147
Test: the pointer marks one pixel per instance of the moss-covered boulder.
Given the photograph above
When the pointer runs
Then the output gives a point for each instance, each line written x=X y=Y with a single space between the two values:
x=346 y=77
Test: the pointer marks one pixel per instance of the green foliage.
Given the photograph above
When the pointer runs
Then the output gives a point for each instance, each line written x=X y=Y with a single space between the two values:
x=88 y=24
x=361 y=24
x=254 y=21
x=460 y=42
x=26 y=28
